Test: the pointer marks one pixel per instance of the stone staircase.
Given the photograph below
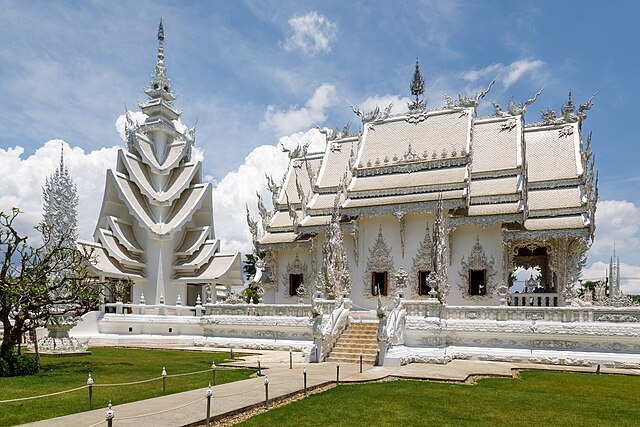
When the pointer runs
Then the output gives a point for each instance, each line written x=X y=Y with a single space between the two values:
x=356 y=338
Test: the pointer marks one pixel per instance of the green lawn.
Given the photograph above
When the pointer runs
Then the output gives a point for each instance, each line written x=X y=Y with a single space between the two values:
x=107 y=365
x=538 y=398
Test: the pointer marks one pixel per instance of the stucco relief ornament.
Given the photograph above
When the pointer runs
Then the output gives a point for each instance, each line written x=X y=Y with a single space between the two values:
x=265 y=214
x=439 y=253
x=401 y=281
x=337 y=279
x=422 y=261
x=400 y=215
x=295 y=267
x=253 y=227
x=379 y=259
x=477 y=260
x=273 y=188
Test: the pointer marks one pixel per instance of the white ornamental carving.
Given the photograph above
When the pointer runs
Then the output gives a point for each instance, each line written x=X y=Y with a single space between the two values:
x=295 y=267
x=379 y=259
x=422 y=261
x=477 y=260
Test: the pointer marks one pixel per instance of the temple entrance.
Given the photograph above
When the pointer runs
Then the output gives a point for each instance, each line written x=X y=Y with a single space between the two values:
x=193 y=291
x=532 y=283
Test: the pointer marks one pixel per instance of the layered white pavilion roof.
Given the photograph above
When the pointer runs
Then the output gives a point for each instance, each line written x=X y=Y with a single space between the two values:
x=495 y=169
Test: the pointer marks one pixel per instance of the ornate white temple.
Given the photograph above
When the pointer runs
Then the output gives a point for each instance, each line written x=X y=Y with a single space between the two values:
x=470 y=199
x=156 y=222
x=407 y=242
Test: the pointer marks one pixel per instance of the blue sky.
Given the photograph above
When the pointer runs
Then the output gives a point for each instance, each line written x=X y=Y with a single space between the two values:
x=253 y=72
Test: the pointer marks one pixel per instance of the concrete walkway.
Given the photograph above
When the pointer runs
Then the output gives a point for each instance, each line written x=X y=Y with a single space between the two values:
x=189 y=408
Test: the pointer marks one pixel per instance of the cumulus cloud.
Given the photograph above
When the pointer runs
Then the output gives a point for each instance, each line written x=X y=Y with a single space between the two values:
x=507 y=74
x=238 y=188
x=617 y=222
x=23 y=178
x=382 y=101
x=629 y=276
x=295 y=119
x=311 y=33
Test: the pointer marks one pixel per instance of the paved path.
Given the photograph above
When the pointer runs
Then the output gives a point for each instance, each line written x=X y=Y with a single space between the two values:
x=189 y=408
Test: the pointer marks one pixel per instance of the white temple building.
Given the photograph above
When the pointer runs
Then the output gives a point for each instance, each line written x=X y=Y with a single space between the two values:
x=400 y=242
x=156 y=221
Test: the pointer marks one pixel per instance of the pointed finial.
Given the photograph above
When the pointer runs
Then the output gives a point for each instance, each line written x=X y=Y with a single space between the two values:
x=61 y=157
x=417 y=82
x=160 y=31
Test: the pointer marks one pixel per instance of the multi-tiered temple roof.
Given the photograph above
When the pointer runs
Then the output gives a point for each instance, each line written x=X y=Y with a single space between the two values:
x=156 y=220
x=534 y=178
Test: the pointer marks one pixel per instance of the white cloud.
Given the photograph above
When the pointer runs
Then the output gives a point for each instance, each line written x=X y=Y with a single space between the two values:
x=311 y=33
x=507 y=74
x=617 y=222
x=295 y=119
x=238 y=188
x=137 y=116
x=382 y=101
x=23 y=179
x=629 y=276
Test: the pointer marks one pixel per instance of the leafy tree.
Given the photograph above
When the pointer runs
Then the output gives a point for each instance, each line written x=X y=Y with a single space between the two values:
x=38 y=282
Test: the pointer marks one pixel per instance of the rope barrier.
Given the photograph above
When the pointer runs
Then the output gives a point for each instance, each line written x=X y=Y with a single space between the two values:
x=102 y=385
x=43 y=395
x=129 y=383
x=190 y=373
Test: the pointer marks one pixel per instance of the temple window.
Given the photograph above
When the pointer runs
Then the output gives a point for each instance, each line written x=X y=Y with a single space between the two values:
x=379 y=282
x=294 y=283
x=423 y=282
x=477 y=282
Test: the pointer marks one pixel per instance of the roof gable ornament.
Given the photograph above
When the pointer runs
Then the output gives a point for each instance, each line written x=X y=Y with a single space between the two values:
x=568 y=112
x=372 y=115
x=417 y=89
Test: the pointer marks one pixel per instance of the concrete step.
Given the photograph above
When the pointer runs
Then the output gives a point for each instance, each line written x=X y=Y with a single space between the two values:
x=358 y=340
x=355 y=346
x=351 y=345
x=352 y=334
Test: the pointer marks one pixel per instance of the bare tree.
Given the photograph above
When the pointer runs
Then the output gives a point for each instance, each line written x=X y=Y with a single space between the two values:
x=38 y=282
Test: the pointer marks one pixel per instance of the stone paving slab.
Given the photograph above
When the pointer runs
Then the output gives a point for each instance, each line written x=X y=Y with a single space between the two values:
x=189 y=408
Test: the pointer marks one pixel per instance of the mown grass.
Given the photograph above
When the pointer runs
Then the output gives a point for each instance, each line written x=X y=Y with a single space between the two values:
x=107 y=366
x=537 y=398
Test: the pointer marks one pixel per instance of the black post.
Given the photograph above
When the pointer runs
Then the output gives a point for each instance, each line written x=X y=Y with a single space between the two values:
x=360 y=362
x=317 y=361
x=304 y=373
x=231 y=352
x=266 y=391
x=290 y=359
x=259 y=368
x=338 y=373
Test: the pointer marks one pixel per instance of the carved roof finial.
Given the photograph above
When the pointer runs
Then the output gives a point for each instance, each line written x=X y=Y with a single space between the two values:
x=417 y=89
x=62 y=168
x=417 y=83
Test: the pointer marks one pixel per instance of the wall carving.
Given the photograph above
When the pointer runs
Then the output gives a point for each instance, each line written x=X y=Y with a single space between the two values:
x=295 y=267
x=423 y=261
x=379 y=259
x=477 y=260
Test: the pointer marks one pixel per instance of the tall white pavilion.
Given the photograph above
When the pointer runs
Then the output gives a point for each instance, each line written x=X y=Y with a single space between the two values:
x=156 y=220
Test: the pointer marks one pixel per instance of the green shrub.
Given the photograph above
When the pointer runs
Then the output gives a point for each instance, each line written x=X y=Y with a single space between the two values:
x=251 y=295
x=14 y=365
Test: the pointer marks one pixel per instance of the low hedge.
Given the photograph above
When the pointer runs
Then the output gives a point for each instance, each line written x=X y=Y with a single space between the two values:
x=14 y=364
